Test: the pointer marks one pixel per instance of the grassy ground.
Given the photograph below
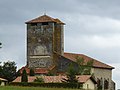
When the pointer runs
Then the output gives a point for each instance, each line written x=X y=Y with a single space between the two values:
x=31 y=88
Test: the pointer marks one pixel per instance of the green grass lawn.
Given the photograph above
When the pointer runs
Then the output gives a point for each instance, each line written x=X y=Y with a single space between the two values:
x=31 y=88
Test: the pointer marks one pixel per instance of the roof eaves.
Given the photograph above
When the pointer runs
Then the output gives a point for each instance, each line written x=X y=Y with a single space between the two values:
x=93 y=80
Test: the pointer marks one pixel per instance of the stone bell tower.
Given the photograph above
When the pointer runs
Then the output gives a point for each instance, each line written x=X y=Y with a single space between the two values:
x=44 y=38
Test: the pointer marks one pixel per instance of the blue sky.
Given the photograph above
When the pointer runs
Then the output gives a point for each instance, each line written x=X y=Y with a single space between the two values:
x=92 y=28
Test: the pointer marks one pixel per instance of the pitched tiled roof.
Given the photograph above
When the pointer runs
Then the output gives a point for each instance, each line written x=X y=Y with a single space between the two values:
x=27 y=69
x=96 y=63
x=58 y=21
x=41 y=71
x=36 y=70
x=30 y=79
x=2 y=79
x=44 y=18
x=83 y=78
x=55 y=79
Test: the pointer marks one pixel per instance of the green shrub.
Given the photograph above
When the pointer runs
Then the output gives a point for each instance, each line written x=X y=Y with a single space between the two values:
x=32 y=73
x=57 y=85
x=0 y=82
x=24 y=76
x=39 y=79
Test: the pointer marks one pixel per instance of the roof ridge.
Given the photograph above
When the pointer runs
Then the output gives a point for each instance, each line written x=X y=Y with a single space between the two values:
x=44 y=18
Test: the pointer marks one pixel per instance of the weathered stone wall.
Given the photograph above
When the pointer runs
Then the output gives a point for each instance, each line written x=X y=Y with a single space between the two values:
x=58 y=39
x=64 y=64
x=39 y=39
x=39 y=44
x=40 y=62
x=89 y=85
x=43 y=39
x=62 y=40
x=103 y=75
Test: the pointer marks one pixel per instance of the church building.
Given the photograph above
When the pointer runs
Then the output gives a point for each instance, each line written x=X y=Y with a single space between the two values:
x=45 y=52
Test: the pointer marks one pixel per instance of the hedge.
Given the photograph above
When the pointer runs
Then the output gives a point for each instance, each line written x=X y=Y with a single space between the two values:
x=57 y=85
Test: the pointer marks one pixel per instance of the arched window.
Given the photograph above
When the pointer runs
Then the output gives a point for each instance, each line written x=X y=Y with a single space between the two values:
x=99 y=85
x=106 y=84
x=98 y=82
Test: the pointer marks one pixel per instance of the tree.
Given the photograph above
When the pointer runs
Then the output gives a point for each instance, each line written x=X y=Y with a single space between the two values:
x=50 y=73
x=18 y=73
x=84 y=68
x=9 y=70
x=39 y=79
x=32 y=73
x=1 y=74
x=71 y=75
x=24 y=76
x=0 y=44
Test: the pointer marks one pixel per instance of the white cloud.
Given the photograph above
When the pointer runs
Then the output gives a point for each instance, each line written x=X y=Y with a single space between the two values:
x=92 y=27
x=104 y=41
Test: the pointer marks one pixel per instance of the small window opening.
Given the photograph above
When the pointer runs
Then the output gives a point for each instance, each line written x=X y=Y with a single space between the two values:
x=87 y=86
x=45 y=23
x=34 y=24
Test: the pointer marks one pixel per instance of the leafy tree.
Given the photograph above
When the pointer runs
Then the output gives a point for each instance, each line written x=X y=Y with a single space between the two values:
x=84 y=68
x=39 y=79
x=18 y=73
x=24 y=76
x=50 y=73
x=9 y=70
x=0 y=44
x=88 y=68
x=1 y=74
x=80 y=62
x=0 y=82
x=71 y=75
x=32 y=73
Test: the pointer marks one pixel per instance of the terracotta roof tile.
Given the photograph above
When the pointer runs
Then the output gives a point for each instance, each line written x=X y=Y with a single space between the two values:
x=18 y=79
x=55 y=79
x=37 y=70
x=96 y=63
x=58 y=21
x=27 y=69
x=44 y=18
x=83 y=78
x=41 y=70
x=30 y=79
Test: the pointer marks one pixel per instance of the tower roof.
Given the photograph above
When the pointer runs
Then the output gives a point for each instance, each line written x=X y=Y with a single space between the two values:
x=44 y=18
